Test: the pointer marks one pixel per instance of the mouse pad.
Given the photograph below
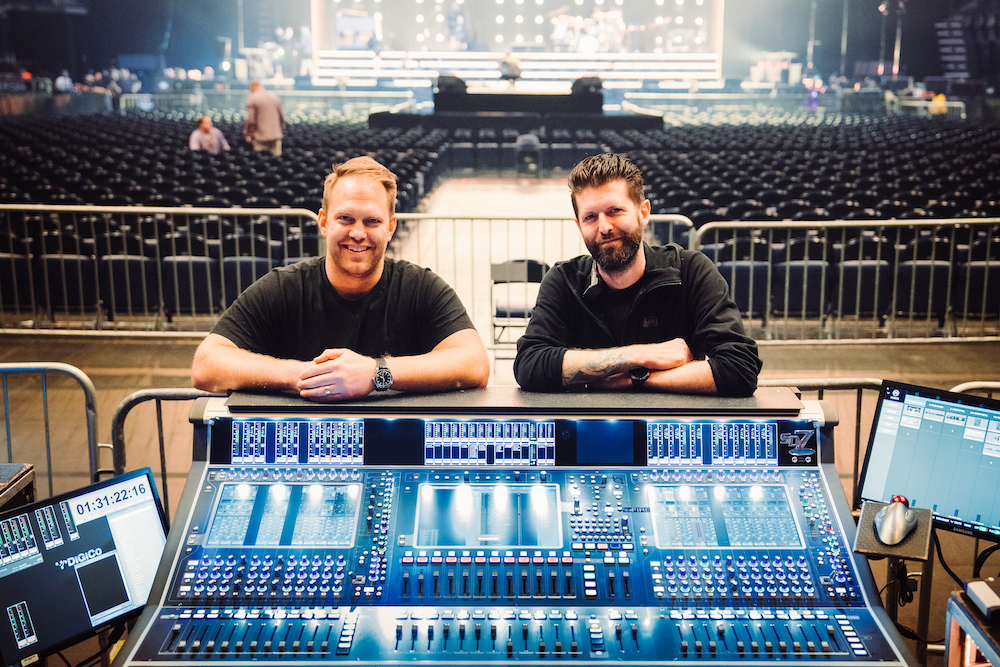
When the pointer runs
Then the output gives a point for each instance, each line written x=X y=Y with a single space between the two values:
x=916 y=545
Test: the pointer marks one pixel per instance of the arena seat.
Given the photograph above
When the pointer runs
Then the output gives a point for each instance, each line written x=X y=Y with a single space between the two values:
x=129 y=284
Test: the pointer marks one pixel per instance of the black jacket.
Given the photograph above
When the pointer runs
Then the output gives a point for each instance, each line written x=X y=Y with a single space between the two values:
x=684 y=296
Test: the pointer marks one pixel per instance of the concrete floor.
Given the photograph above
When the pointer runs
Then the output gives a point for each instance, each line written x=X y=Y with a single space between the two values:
x=120 y=365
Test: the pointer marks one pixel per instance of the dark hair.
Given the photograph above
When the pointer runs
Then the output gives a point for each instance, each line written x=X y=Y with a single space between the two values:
x=602 y=169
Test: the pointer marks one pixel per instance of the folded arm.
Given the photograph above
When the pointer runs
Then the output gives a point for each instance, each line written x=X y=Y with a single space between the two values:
x=220 y=366
x=458 y=362
x=671 y=364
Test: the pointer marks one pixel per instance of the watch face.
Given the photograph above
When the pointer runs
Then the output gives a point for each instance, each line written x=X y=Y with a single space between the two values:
x=383 y=379
x=639 y=375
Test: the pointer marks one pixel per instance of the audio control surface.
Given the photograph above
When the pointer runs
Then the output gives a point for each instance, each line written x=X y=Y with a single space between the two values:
x=737 y=552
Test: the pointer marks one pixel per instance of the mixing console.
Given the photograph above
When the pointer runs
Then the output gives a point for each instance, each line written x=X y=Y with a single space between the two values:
x=533 y=535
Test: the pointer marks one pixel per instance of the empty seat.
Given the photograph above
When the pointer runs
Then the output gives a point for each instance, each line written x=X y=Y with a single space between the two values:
x=66 y=281
x=513 y=293
x=862 y=287
x=190 y=284
x=16 y=291
x=238 y=273
x=129 y=284
x=748 y=284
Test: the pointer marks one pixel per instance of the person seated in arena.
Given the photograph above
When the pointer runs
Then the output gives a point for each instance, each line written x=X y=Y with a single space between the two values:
x=630 y=314
x=207 y=138
x=349 y=323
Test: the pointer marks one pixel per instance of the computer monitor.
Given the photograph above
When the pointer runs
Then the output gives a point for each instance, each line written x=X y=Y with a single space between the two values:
x=942 y=451
x=76 y=563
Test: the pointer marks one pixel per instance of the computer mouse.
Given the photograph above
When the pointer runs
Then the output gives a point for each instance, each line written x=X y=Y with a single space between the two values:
x=895 y=521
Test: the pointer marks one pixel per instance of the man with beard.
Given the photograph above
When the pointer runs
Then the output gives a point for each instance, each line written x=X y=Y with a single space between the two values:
x=341 y=326
x=630 y=314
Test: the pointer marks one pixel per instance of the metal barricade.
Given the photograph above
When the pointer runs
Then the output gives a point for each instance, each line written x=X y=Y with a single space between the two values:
x=466 y=252
x=847 y=430
x=57 y=419
x=140 y=267
x=861 y=279
x=118 y=429
x=989 y=388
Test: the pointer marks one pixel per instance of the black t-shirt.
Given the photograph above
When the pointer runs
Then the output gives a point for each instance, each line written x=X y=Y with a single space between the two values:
x=613 y=306
x=295 y=313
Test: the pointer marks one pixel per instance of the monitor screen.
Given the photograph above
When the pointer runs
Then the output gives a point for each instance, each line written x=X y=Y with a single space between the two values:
x=76 y=562
x=940 y=450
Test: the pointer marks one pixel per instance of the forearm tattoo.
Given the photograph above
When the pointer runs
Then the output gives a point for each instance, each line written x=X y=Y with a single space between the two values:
x=594 y=365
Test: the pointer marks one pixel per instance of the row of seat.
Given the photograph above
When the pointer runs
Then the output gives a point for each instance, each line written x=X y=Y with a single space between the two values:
x=122 y=160
x=128 y=284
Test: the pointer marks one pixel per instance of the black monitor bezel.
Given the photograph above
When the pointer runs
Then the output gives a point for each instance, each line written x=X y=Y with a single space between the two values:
x=969 y=400
x=147 y=473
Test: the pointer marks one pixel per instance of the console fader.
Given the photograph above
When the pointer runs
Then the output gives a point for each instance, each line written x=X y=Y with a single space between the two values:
x=498 y=526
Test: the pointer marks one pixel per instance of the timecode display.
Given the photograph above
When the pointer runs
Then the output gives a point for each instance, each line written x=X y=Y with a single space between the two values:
x=109 y=499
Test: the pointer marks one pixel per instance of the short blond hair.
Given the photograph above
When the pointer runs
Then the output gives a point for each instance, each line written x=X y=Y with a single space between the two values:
x=362 y=167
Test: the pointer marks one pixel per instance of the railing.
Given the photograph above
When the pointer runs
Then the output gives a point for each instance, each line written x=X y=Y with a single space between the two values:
x=861 y=279
x=854 y=430
x=178 y=268
x=118 y=430
x=35 y=414
x=145 y=268
x=989 y=388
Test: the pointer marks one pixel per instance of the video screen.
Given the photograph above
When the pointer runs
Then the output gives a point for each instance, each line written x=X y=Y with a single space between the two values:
x=942 y=451
x=488 y=516
x=77 y=561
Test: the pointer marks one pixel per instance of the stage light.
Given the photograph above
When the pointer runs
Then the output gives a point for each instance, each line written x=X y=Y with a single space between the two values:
x=440 y=37
x=699 y=21
x=499 y=39
x=518 y=19
x=539 y=20
x=679 y=2
x=420 y=18
x=500 y=19
x=538 y=39
x=519 y=39
x=679 y=20
x=439 y=18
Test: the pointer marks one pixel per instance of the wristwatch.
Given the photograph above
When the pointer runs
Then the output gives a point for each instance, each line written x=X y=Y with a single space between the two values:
x=639 y=376
x=383 y=376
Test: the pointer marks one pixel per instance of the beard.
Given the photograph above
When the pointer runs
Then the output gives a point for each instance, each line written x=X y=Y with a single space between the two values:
x=613 y=259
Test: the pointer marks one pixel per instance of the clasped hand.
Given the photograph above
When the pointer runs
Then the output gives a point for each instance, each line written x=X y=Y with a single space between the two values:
x=336 y=375
x=664 y=356
x=654 y=356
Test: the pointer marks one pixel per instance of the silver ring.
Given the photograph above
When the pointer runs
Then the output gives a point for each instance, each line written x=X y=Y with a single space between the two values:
x=326 y=391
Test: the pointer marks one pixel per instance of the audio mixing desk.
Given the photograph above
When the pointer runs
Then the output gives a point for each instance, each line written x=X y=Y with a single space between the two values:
x=498 y=526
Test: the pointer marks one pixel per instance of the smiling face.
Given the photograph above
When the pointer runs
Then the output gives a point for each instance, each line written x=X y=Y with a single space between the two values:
x=357 y=225
x=611 y=224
